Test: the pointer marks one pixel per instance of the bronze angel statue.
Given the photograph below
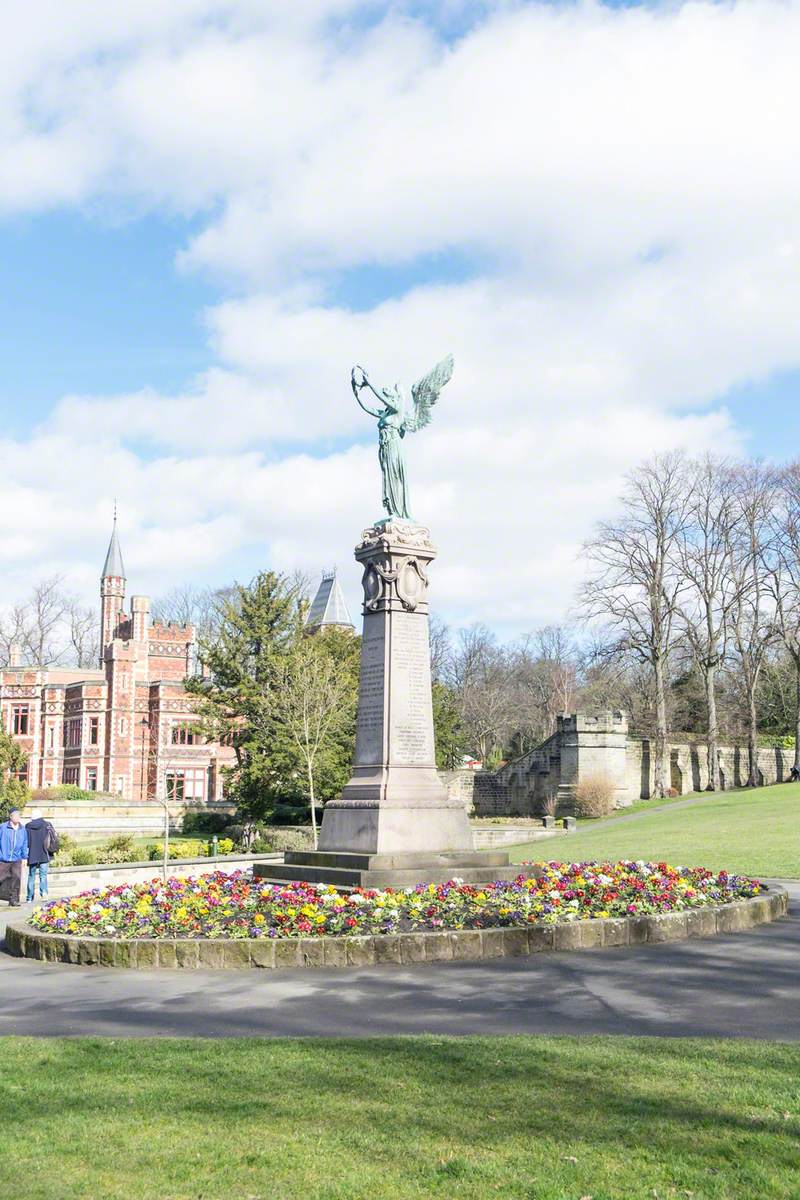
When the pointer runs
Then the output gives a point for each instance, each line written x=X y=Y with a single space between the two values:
x=395 y=420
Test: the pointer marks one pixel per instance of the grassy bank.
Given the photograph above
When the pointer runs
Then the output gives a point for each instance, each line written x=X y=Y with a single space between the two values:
x=523 y=1118
x=756 y=831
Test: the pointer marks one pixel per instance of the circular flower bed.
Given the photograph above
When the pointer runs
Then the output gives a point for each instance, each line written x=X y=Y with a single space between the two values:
x=235 y=905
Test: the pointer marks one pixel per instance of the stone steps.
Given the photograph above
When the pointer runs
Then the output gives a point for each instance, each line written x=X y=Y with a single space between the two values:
x=396 y=860
x=351 y=870
x=389 y=879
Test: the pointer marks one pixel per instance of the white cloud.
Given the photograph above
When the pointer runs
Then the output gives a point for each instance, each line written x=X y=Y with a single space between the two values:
x=623 y=183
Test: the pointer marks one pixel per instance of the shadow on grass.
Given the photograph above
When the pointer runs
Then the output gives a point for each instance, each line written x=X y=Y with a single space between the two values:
x=703 y=1104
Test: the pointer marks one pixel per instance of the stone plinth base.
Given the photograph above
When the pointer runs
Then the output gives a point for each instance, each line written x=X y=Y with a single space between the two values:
x=347 y=869
x=382 y=829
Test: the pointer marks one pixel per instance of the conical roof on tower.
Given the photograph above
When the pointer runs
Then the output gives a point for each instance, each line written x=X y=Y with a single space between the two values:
x=114 y=565
x=328 y=607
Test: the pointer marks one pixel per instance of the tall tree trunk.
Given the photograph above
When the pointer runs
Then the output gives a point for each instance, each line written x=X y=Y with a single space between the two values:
x=752 y=738
x=713 y=731
x=660 y=758
x=313 y=802
x=797 y=715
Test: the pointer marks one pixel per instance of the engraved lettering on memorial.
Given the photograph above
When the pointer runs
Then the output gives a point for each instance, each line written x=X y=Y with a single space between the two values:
x=412 y=723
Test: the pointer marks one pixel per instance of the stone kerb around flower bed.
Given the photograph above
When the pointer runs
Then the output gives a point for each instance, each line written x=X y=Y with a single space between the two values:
x=400 y=948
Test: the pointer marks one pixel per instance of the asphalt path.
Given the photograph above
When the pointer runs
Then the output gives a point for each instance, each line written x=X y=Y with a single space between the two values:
x=742 y=985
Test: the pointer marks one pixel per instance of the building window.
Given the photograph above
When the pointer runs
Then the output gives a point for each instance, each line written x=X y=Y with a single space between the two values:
x=72 y=734
x=184 y=735
x=21 y=773
x=51 y=737
x=71 y=775
x=91 y=779
x=120 y=785
x=20 y=719
x=123 y=725
x=189 y=784
x=94 y=730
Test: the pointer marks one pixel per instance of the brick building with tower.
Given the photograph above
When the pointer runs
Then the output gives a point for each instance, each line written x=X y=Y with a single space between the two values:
x=124 y=728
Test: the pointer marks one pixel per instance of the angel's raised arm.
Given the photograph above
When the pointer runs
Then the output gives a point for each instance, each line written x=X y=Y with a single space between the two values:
x=358 y=381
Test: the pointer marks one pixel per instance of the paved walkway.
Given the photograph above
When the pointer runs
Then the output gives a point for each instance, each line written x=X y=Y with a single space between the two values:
x=744 y=985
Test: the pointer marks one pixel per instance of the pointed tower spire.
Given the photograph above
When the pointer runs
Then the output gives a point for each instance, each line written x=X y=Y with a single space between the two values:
x=114 y=566
x=112 y=591
x=329 y=607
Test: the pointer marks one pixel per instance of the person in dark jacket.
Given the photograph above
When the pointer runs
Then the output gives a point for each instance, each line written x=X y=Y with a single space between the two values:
x=13 y=853
x=42 y=845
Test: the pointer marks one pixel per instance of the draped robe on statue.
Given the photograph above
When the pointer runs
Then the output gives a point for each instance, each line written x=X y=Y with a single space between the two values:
x=390 y=452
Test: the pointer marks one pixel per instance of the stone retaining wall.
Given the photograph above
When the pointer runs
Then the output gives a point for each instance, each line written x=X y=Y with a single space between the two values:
x=400 y=948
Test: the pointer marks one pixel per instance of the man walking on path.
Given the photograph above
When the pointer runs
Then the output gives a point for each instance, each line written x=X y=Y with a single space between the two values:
x=42 y=845
x=13 y=853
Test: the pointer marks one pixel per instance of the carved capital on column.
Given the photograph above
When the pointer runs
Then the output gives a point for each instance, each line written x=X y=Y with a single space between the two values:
x=395 y=557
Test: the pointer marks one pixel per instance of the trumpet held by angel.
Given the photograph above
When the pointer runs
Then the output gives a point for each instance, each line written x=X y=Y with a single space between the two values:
x=396 y=418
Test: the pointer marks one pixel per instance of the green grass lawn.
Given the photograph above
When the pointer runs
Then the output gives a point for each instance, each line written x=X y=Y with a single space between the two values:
x=756 y=831
x=523 y=1118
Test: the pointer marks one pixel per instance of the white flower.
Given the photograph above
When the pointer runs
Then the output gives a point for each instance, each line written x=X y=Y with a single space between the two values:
x=96 y=908
x=111 y=929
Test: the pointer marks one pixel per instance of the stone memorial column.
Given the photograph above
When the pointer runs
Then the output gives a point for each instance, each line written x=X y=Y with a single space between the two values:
x=394 y=802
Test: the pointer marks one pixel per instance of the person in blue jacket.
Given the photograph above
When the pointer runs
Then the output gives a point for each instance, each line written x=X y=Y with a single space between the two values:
x=13 y=853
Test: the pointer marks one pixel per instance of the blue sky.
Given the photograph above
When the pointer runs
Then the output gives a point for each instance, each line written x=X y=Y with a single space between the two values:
x=94 y=307
x=97 y=307
x=209 y=212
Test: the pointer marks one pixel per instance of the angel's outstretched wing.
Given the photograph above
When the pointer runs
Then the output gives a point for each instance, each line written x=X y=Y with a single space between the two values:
x=426 y=392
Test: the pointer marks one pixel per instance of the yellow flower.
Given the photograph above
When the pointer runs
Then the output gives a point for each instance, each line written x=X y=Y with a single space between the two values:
x=259 y=919
x=182 y=912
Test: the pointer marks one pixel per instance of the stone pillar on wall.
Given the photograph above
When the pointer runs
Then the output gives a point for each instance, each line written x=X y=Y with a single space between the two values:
x=593 y=745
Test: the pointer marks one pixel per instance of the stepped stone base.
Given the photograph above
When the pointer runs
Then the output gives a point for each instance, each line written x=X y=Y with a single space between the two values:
x=346 y=869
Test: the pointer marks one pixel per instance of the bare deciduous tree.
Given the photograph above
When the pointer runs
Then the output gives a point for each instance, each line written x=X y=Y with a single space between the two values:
x=784 y=577
x=440 y=648
x=315 y=698
x=190 y=605
x=481 y=676
x=48 y=610
x=50 y=628
x=636 y=584
x=544 y=675
x=711 y=594
x=13 y=635
x=753 y=616
x=84 y=635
